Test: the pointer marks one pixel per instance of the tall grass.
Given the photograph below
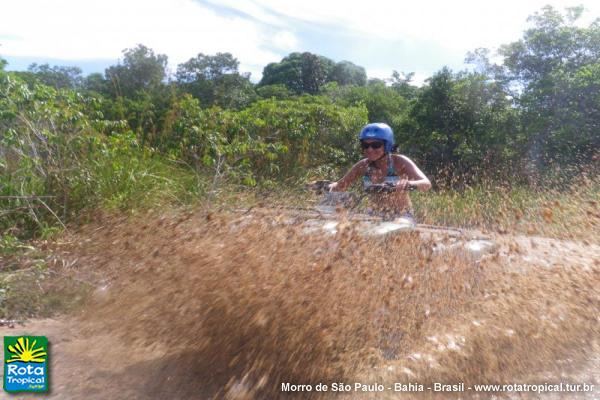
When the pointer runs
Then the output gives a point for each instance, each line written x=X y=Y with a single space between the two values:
x=59 y=158
x=571 y=212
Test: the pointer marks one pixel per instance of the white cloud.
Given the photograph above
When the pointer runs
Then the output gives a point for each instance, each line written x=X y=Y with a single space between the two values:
x=71 y=29
x=285 y=40
x=78 y=29
x=451 y=23
x=450 y=27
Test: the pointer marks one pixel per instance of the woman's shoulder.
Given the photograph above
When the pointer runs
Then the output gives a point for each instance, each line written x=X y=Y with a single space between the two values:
x=363 y=163
x=401 y=157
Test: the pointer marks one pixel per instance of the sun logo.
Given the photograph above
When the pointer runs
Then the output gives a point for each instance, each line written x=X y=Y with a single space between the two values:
x=26 y=352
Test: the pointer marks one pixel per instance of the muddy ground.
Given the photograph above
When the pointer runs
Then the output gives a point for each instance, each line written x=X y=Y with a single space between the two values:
x=198 y=305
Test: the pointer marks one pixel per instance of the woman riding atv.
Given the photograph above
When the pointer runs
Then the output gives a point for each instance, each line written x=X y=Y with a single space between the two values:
x=381 y=166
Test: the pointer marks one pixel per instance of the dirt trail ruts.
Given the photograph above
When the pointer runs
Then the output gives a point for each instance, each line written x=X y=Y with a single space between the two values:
x=99 y=365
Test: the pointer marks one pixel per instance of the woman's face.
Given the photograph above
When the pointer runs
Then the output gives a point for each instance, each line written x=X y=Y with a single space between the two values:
x=373 y=149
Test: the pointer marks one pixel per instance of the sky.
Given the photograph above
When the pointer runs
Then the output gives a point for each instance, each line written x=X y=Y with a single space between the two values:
x=419 y=36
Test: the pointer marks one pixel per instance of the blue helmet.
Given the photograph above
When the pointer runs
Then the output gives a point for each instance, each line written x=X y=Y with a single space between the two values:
x=378 y=131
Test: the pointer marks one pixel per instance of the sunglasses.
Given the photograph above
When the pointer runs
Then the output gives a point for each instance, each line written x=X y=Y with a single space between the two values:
x=373 y=145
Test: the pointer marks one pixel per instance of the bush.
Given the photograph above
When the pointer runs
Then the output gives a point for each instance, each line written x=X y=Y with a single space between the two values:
x=58 y=157
x=270 y=140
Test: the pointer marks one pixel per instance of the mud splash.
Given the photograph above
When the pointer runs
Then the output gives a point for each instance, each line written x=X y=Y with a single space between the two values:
x=204 y=305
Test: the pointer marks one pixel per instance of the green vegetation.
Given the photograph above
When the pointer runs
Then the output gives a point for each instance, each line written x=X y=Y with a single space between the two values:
x=58 y=157
x=135 y=137
x=308 y=73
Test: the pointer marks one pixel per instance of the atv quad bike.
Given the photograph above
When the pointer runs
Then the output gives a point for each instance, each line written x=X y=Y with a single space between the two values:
x=335 y=207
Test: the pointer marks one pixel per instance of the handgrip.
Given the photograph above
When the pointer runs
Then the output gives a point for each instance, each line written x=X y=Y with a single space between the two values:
x=319 y=186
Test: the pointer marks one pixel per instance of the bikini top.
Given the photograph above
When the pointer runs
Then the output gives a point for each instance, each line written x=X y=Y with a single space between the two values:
x=391 y=176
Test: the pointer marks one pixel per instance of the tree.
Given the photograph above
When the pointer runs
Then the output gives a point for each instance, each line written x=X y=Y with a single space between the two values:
x=300 y=72
x=96 y=83
x=287 y=73
x=234 y=91
x=207 y=67
x=553 y=43
x=277 y=91
x=347 y=73
x=60 y=77
x=384 y=104
x=3 y=64
x=400 y=82
x=140 y=94
x=314 y=72
x=461 y=124
x=556 y=68
x=215 y=80
x=141 y=70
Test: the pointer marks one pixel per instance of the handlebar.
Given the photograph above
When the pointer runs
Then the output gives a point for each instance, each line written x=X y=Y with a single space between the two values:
x=385 y=188
x=322 y=186
x=319 y=186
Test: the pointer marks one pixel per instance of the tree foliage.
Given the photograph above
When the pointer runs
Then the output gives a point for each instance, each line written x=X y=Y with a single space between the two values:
x=461 y=123
x=215 y=80
x=270 y=140
x=96 y=83
x=539 y=107
x=140 y=70
x=277 y=91
x=308 y=73
x=59 y=77
x=384 y=103
x=401 y=83
x=136 y=91
x=346 y=73
x=46 y=147
x=553 y=73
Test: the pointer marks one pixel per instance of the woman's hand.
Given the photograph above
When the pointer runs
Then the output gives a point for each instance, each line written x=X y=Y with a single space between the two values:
x=402 y=184
x=332 y=187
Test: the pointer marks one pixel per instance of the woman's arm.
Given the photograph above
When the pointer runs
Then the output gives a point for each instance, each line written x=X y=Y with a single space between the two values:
x=356 y=171
x=416 y=177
